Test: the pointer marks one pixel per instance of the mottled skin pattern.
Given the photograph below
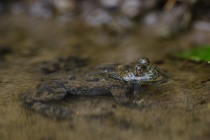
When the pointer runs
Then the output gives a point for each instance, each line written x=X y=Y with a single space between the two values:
x=118 y=80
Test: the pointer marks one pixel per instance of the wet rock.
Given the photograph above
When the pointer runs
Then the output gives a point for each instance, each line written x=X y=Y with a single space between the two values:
x=110 y=4
x=64 y=6
x=133 y=8
x=17 y=8
x=164 y=18
x=97 y=17
x=50 y=8
x=201 y=25
x=43 y=9
x=168 y=22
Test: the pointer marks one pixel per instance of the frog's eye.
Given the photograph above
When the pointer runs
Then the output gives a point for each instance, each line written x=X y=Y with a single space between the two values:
x=144 y=60
x=139 y=70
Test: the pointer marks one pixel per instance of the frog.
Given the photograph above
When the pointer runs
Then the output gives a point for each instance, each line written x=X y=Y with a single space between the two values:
x=119 y=80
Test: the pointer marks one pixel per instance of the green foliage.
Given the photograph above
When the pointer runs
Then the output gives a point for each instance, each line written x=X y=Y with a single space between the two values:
x=200 y=53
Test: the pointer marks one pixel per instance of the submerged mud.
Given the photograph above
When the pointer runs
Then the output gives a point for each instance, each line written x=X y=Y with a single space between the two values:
x=31 y=49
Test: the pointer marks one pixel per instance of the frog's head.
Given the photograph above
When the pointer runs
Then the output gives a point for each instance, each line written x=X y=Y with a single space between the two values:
x=142 y=72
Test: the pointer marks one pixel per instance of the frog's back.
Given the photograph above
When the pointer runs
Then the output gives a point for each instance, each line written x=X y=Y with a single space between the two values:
x=89 y=84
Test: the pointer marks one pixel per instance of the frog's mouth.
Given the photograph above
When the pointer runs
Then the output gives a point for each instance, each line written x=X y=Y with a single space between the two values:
x=148 y=78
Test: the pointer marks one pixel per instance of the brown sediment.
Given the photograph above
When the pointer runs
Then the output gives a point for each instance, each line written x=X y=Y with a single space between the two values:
x=178 y=109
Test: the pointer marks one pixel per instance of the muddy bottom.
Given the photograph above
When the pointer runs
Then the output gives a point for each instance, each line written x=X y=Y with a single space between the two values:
x=31 y=49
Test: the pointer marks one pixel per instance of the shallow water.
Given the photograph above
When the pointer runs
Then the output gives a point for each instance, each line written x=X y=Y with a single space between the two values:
x=178 y=109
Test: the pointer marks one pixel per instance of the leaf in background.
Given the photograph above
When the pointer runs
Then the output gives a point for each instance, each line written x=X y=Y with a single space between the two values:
x=201 y=53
